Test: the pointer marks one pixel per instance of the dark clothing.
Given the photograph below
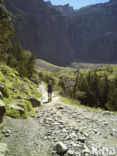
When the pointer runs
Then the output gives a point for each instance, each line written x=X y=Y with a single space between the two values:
x=49 y=88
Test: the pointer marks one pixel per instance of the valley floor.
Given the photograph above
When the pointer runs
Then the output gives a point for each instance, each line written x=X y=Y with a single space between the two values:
x=84 y=131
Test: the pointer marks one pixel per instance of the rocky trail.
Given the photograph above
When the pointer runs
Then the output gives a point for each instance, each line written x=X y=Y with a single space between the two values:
x=59 y=127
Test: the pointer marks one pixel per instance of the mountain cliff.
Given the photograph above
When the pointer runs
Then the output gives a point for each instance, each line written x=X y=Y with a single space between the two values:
x=88 y=34
x=64 y=9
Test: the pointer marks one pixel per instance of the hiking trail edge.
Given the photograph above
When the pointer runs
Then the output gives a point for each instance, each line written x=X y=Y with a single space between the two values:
x=84 y=131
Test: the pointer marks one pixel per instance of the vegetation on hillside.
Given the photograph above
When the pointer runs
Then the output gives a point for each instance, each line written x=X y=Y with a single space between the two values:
x=20 y=59
x=94 y=90
x=16 y=70
x=94 y=86
x=14 y=90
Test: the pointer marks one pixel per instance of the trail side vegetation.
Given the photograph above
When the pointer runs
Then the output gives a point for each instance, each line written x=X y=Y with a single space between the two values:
x=17 y=80
x=20 y=59
x=14 y=90
x=94 y=87
x=94 y=90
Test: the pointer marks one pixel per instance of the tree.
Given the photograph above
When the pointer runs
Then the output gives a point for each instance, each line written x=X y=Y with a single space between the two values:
x=20 y=59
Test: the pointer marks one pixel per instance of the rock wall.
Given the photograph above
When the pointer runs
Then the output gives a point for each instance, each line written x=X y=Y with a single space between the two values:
x=6 y=29
x=86 y=35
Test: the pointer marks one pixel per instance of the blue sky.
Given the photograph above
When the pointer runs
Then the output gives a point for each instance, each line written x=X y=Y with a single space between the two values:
x=77 y=3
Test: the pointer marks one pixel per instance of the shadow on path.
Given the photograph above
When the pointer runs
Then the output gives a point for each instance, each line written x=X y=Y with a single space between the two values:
x=46 y=102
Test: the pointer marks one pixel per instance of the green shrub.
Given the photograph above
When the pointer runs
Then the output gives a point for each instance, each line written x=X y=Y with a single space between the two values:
x=41 y=76
x=6 y=92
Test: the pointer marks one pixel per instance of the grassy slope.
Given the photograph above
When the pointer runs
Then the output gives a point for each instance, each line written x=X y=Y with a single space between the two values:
x=15 y=90
x=56 y=71
x=68 y=72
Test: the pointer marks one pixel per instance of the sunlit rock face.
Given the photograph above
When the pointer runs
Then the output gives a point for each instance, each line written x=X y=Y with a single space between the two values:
x=6 y=29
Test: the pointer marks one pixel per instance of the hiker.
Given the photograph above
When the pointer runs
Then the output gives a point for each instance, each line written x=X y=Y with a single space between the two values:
x=49 y=87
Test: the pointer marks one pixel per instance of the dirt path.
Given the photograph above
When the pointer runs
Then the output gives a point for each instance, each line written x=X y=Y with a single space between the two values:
x=84 y=131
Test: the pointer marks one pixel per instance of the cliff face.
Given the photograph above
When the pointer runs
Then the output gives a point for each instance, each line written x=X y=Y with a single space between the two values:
x=6 y=29
x=88 y=35
x=64 y=9
x=95 y=36
x=42 y=30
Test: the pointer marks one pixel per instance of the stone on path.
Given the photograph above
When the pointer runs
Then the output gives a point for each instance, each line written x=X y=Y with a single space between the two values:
x=6 y=132
x=70 y=153
x=60 y=107
x=61 y=148
x=82 y=139
x=114 y=132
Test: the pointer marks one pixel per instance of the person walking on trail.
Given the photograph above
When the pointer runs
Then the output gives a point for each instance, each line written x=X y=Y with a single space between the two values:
x=49 y=87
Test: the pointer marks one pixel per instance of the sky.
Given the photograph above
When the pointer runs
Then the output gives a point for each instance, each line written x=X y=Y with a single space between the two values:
x=77 y=3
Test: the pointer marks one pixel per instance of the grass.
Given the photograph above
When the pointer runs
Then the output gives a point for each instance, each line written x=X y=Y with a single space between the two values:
x=69 y=73
x=16 y=87
x=55 y=71
x=77 y=104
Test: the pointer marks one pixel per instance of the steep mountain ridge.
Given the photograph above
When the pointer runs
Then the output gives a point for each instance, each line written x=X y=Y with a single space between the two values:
x=64 y=9
x=86 y=35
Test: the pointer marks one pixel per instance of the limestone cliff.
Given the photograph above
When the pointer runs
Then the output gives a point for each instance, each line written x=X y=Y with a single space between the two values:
x=86 y=35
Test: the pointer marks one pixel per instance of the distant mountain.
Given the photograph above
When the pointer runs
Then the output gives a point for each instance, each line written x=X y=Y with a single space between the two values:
x=61 y=35
x=64 y=9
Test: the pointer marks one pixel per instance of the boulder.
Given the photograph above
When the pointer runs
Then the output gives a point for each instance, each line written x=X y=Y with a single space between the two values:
x=61 y=148
x=18 y=108
x=2 y=109
x=34 y=102
x=6 y=132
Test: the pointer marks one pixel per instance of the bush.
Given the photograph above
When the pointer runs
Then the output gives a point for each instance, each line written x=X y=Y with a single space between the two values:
x=80 y=95
x=48 y=77
x=41 y=76
x=61 y=83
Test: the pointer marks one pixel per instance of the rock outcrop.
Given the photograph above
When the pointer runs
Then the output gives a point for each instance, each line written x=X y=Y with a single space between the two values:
x=64 y=9
x=18 y=108
x=6 y=29
x=34 y=102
